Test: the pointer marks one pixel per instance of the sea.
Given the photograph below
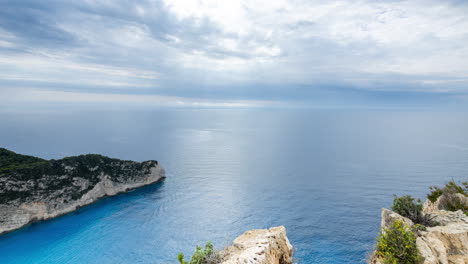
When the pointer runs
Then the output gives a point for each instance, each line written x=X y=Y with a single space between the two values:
x=324 y=174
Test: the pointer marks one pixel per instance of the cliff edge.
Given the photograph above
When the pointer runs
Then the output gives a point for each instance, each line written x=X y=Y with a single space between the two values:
x=260 y=246
x=33 y=189
x=445 y=243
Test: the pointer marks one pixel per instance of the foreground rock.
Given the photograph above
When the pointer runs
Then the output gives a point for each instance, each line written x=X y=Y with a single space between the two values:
x=33 y=189
x=446 y=243
x=261 y=246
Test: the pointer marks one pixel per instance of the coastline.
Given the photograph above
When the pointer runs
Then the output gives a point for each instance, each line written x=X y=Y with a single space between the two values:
x=15 y=215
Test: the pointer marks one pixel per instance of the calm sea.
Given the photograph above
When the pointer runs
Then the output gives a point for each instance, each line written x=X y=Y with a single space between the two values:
x=324 y=175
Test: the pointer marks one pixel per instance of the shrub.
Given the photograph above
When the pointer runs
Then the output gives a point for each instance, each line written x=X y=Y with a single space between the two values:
x=435 y=193
x=10 y=160
x=417 y=227
x=407 y=207
x=452 y=202
x=449 y=199
x=397 y=245
x=450 y=187
x=201 y=256
x=180 y=258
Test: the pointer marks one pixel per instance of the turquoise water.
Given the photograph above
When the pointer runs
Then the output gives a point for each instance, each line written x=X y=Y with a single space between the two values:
x=322 y=174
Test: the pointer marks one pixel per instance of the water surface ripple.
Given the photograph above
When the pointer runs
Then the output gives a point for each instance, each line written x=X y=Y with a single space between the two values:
x=322 y=174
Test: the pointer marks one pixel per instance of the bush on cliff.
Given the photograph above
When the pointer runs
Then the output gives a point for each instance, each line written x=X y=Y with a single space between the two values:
x=10 y=160
x=406 y=206
x=450 y=196
x=201 y=256
x=397 y=245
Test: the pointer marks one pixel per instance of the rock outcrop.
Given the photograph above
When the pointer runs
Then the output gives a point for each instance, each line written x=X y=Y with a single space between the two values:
x=446 y=243
x=261 y=246
x=389 y=216
x=32 y=189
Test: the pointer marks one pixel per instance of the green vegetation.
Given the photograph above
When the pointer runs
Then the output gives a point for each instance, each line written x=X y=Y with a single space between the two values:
x=406 y=206
x=9 y=160
x=449 y=196
x=397 y=245
x=436 y=192
x=201 y=256
x=27 y=178
x=451 y=187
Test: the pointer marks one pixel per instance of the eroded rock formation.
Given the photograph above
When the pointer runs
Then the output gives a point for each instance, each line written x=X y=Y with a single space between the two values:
x=446 y=243
x=261 y=246
x=32 y=189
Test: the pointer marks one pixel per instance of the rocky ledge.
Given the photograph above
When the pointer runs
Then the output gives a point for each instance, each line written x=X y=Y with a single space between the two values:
x=261 y=246
x=33 y=189
x=446 y=243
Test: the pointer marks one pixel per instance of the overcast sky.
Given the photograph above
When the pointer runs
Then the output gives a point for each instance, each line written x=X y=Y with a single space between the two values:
x=234 y=53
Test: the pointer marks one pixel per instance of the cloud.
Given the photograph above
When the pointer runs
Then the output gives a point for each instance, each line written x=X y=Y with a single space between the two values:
x=299 y=52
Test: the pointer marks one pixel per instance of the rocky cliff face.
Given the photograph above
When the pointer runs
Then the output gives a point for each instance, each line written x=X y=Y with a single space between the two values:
x=262 y=246
x=33 y=189
x=446 y=243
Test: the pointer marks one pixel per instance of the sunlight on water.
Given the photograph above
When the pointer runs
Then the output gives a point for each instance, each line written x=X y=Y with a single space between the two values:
x=323 y=175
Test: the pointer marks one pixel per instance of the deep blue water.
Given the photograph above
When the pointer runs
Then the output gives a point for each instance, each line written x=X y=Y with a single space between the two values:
x=322 y=174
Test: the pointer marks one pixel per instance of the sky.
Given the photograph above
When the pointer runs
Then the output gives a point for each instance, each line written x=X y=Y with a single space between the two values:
x=246 y=53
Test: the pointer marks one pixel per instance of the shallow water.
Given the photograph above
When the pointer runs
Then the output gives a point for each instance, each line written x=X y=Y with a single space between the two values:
x=322 y=174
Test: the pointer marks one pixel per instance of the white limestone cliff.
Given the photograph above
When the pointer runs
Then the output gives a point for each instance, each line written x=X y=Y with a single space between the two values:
x=15 y=216
x=260 y=246
x=446 y=243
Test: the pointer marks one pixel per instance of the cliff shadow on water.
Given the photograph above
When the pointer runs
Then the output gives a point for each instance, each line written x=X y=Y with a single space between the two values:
x=83 y=217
